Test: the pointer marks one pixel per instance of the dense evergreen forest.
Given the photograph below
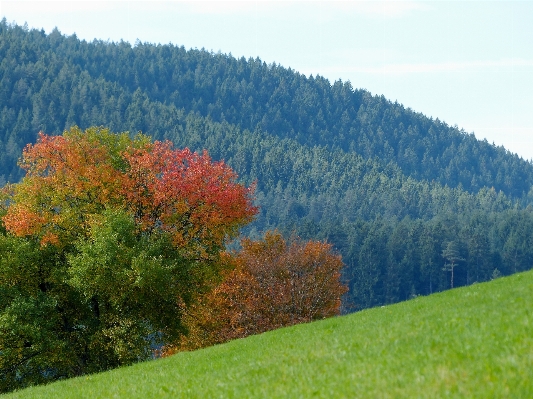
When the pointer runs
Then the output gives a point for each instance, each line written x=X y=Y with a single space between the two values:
x=405 y=199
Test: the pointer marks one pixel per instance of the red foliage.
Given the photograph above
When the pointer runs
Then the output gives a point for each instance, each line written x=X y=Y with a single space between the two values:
x=72 y=178
x=185 y=193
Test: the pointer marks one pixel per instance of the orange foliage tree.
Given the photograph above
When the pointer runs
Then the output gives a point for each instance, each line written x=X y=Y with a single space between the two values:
x=71 y=178
x=104 y=243
x=273 y=283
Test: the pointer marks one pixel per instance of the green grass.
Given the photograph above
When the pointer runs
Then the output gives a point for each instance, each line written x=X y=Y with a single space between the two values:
x=473 y=342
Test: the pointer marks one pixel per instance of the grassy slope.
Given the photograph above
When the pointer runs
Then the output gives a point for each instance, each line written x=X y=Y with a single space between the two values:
x=469 y=342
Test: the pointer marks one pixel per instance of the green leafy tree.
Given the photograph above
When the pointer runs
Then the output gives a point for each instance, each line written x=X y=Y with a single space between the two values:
x=103 y=245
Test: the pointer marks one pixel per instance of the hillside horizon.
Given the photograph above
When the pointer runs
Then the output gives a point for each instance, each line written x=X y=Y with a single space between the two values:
x=246 y=93
x=389 y=187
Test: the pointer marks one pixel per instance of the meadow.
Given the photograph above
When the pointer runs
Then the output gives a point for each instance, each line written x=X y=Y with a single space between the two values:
x=474 y=342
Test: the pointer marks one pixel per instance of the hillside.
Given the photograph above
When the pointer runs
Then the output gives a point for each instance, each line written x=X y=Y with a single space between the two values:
x=473 y=342
x=51 y=82
x=389 y=187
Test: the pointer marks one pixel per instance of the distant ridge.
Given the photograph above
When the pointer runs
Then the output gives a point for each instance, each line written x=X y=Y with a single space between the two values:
x=389 y=187
x=50 y=82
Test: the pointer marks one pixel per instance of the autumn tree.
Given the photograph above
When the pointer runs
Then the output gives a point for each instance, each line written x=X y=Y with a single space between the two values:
x=272 y=283
x=103 y=244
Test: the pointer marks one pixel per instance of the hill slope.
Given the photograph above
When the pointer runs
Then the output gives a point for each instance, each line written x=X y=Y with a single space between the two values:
x=388 y=187
x=50 y=82
x=473 y=342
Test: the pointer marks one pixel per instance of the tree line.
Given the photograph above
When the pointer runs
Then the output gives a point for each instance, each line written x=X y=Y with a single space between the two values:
x=52 y=82
x=330 y=162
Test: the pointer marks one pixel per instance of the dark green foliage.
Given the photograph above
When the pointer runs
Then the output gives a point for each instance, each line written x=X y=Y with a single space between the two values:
x=32 y=330
x=51 y=82
x=90 y=308
x=387 y=186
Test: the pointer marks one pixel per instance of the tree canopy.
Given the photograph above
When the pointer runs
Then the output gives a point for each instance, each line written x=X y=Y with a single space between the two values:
x=273 y=283
x=105 y=242
x=387 y=186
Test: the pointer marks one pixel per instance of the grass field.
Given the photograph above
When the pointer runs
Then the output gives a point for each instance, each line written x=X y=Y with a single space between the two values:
x=473 y=342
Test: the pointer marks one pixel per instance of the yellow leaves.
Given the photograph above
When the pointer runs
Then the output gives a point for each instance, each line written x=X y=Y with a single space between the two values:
x=50 y=238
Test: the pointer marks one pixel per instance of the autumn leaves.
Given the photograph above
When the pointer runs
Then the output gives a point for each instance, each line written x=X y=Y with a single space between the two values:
x=271 y=283
x=119 y=244
x=72 y=178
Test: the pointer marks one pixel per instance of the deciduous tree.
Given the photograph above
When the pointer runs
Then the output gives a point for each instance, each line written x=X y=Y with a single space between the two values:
x=104 y=243
x=273 y=283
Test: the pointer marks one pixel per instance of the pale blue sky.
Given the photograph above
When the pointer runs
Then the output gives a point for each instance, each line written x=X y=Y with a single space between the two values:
x=468 y=63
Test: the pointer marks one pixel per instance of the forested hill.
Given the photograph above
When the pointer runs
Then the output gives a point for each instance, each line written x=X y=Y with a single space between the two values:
x=50 y=82
x=398 y=194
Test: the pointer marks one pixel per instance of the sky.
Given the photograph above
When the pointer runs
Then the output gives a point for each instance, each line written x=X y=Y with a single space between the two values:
x=468 y=63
